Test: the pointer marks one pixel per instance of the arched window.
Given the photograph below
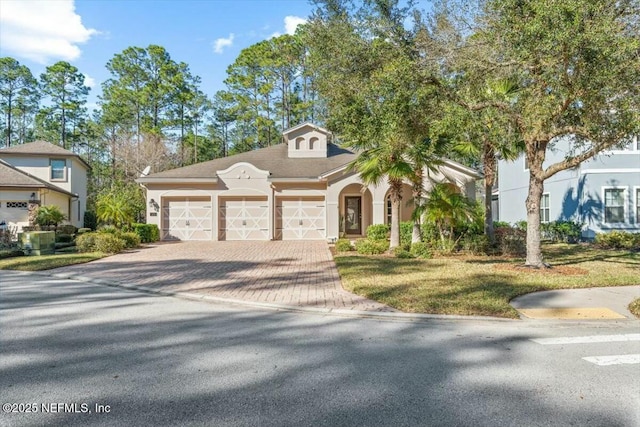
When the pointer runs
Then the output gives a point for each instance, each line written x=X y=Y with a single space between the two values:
x=299 y=142
x=388 y=206
x=312 y=142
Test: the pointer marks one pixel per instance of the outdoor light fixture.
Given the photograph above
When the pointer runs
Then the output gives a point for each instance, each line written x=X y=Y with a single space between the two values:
x=152 y=202
x=33 y=197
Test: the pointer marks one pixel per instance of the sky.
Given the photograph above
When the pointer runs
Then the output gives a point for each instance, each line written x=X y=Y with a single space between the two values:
x=207 y=34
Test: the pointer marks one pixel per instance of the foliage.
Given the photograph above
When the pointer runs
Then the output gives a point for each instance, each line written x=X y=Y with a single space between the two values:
x=501 y=224
x=511 y=241
x=18 y=98
x=421 y=250
x=562 y=231
x=64 y=238
x=477 y=244
x=378 y=232
x=66 y=229
x=49 y=215
x=448 y=209
x=86 y=242
x=90 y=220
x=400 y=252
x=371 y=247
x=343 y=245
x=131 y=239
x=10 y=253
x=108 y=243
x=83 y=230
x=634 y=307
x=406 y=232
x=148 y=233
x=8 y=237
x=618 y=240
x=115 y=208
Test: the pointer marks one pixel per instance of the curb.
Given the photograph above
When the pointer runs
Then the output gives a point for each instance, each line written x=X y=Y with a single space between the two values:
x=277 y=307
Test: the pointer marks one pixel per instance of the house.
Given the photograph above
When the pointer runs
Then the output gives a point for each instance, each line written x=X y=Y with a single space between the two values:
x=300 y=189
x=603 y=192
x=39 y=173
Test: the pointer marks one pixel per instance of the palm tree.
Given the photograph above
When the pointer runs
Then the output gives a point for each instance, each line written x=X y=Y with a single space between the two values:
x=114 y=208
x=49 y=215
x=447 y=207
x=386 y=160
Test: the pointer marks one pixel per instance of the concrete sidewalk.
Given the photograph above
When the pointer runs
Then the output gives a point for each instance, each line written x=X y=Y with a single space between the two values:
x=578 y=304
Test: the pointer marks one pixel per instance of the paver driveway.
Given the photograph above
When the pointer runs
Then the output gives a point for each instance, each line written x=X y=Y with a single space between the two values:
x=299 y=274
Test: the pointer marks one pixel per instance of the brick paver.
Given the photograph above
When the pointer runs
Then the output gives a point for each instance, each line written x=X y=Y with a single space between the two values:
x=293 y=273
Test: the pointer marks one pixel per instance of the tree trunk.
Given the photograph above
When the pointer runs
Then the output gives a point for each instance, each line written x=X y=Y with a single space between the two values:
x=9 y=122
x=416 y=235
x=64 y=126
x=490 y=164
x=534 y=250
x=396 y=198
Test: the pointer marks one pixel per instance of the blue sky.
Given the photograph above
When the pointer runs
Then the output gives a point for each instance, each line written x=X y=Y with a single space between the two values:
x=207 y=34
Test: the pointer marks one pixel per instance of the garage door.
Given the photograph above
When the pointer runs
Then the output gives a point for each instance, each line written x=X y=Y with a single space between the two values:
x=245 y=218
x=186 y=218
x=300 y=218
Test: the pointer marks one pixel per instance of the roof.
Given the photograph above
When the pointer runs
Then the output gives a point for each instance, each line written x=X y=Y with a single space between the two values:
x=41 y=148
x=274 y=159
x=11 y=176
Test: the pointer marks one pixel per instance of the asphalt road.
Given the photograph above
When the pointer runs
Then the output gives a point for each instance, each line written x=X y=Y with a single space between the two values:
x=161 y=361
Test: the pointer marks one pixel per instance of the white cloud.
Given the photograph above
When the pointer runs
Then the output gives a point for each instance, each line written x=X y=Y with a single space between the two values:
x=221 y=43
x=89 y=81
x=291 y=23
x=276 y=34
x=42 y=30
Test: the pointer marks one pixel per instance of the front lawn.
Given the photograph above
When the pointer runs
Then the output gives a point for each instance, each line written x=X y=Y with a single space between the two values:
x=481 y=285
x=46 y=262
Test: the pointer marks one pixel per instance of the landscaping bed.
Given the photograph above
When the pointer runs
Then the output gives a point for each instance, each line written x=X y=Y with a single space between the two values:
x=481 y=285
x=46 y=262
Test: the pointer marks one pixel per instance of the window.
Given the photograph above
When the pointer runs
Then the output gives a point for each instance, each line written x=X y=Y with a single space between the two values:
x=544 y=208
x=637 y=205
x=17 y=205
x=614 y=205
x=58 y=167
x=526 y=163
x=388 y=209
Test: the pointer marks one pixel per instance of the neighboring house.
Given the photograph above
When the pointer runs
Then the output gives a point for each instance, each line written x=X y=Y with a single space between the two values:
x=603 y=192
x=39 y=173
x=301 y=189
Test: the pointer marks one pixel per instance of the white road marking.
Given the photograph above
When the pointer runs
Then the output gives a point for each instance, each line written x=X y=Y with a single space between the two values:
x=587 y=339
x=625 y=359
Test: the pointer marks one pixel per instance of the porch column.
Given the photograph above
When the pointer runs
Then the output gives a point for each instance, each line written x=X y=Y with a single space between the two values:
x=333 y=219
x=379 y=208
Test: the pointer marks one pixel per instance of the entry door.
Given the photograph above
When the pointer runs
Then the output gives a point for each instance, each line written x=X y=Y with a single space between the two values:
x=353 y=215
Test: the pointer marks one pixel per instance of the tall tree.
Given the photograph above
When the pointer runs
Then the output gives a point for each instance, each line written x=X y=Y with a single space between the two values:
x=64 y=85
x=577 y=67
x=18 y=92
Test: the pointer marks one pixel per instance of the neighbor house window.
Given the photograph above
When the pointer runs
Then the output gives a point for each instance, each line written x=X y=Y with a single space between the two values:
x=637 y=205
x=17 y=205
x=526 y=163
x=389 y=209
x=614 y=205
x=544 y=208
x=58 y=167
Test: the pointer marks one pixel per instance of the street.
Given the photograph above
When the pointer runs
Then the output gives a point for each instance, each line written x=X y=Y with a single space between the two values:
x=80 y=354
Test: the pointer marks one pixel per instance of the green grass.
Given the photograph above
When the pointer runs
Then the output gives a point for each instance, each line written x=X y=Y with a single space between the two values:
x=482 y=285
x=46 y=262
x=634 y=307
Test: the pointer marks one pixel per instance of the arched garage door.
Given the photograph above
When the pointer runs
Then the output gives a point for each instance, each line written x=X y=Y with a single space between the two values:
x=300 y=218
x=244 y=218
x=186 y=218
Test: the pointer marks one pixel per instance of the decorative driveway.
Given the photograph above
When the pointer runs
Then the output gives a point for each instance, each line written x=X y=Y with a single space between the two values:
x=292 y=273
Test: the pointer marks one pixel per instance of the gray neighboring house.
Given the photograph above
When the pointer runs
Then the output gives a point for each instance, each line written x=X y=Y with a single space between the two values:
x=603 y=193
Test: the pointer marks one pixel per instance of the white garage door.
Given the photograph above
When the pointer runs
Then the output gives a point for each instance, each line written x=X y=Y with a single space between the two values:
x=245 y=218
x=186 y=218
x=300 y=218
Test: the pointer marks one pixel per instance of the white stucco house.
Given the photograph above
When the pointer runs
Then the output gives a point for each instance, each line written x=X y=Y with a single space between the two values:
x=300 y=189
x=40 y=173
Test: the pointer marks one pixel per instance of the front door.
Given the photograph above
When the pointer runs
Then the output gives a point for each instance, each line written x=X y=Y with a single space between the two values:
x=353 y=215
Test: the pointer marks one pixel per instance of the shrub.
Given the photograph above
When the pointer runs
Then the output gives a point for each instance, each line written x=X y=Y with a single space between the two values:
x=49 y=215
x=86 y=242
x=83 y=230
x=10 y=253
x=66 y=229
x=343 y=245
x=64 y=238
x=476 y=244
x=618 y=240
x=90 y=220
x=108 y=243
x=511 y=241
x=378 y=232
x=108 y=229
x=521 y=225
x=148 y=232
x=501 y=224
x=421 y=250
x=562 y=231
x=371 y=247
x=131 y=240
x=406 y=231
x=401 y=252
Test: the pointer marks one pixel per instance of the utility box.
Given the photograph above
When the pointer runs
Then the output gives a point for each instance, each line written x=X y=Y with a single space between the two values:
x=37 y=242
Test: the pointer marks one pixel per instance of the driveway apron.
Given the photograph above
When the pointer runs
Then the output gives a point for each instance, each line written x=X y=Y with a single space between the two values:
x=294 y=273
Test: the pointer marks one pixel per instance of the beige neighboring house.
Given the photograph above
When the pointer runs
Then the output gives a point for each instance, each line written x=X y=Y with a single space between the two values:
x=40 y=173
x=298 y=190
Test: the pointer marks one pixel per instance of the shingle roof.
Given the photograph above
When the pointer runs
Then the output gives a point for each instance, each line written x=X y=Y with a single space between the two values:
x=40 y=148
x=11 y=176
x=273 y=159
